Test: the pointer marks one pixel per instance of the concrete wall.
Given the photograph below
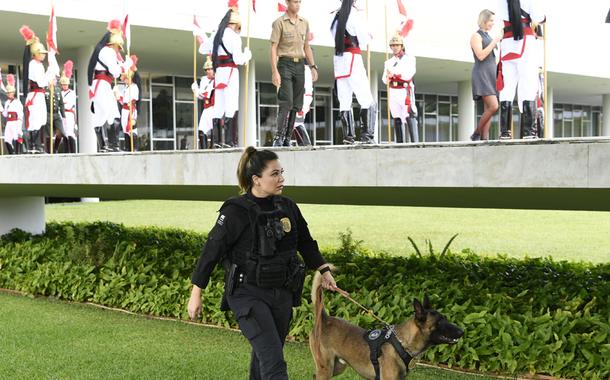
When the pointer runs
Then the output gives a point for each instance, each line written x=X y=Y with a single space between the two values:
x=549 y=175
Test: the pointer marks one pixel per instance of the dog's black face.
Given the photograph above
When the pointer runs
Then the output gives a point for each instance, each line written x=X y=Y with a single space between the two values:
x=440 y=330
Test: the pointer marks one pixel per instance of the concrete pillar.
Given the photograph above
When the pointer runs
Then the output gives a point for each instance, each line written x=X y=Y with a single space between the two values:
x=550 y=133
x=25 y=213
x=606 y=115
x=87 y=142
x=466 y=106
x=252 y=128
x=375 y=92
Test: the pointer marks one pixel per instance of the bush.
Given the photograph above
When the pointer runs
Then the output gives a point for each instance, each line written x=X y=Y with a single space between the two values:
x=530 y=315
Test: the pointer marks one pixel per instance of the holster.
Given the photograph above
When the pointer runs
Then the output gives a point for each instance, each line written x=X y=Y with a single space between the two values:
x=296 y=280
x=231 y=282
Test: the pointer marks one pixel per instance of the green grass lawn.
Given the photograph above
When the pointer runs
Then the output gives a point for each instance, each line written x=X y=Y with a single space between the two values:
x=44 y=339
x=569 y=235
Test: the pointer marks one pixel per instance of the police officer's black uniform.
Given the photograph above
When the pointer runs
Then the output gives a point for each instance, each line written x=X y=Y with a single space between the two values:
x=257 y=240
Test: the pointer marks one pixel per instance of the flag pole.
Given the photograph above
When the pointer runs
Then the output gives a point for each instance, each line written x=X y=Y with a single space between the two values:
x=195 y=142
x=2 y=137
x=546 y=85
x=388 y=79
x=247 y=84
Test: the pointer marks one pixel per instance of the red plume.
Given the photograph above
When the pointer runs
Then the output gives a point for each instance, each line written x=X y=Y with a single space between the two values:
x=68 y=68
x=234 y=4
x=406 y=28
x=401 y=8
x=10 y=80
x=27 y=33
x=281 y=7
x=114 y=25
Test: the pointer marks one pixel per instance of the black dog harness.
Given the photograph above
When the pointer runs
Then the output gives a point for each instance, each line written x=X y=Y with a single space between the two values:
x=377 y=338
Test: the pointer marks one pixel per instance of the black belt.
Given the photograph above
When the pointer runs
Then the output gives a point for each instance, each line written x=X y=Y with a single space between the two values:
x=292 y=59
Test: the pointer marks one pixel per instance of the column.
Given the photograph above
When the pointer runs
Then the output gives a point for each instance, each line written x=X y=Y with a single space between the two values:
x=550 y=133
x=25 y=213
x=375 y=91
x=606 y=115
x=466 y=106
x=251 y=125
x=87 y=142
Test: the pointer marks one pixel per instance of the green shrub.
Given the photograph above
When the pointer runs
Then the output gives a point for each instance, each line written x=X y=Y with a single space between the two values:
x=530 y=315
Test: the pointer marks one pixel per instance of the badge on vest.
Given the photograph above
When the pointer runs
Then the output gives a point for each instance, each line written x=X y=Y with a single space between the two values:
x=286 y=226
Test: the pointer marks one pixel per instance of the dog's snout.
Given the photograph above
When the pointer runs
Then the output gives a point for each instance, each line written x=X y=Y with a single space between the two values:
x=459 y=332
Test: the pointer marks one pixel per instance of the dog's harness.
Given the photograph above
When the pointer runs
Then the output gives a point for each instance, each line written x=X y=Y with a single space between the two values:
x=377 y=338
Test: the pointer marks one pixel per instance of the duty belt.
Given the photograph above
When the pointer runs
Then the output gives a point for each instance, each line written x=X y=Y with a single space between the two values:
x=291 y=59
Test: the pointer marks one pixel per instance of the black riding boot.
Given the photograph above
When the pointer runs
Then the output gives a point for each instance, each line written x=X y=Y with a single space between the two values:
x=101 y=142
x=528 y=123
x=216 y=133
x=398 y=130
x=116 y=137
x=301 y=135
x=203 y=140
x=368 y=117
x=71 y=145
x=9 y=148
x=289 y=127
x=282 y=127
x=228 y=130
x=413 y=130
x=506 y=120
x=349 y=131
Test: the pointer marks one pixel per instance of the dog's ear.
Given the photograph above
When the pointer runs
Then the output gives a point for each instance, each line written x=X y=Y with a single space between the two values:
x=427 y=302
x=420 y=313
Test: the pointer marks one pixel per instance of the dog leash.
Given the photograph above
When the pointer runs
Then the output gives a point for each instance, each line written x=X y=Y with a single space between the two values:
x=346 y=295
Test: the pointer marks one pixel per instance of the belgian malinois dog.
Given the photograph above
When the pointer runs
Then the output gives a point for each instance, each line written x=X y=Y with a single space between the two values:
x=336 y=343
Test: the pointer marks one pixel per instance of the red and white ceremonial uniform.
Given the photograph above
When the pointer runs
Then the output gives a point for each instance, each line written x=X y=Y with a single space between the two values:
x=401 y=70
x=349 y=68
x=104 y=100
x=226 y=101
x=206 y=92
x=520 y=59
x=69 y=121
x=13 y=112
x=35 y=103
x=129 y=94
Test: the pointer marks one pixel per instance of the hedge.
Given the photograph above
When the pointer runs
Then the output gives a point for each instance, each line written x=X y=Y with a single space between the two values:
x=520 y=316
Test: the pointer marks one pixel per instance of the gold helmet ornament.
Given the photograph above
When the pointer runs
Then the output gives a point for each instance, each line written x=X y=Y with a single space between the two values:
x=32 y=40
x=208 y=63
x=67 y=73
x=116 y=33
x=10 y=84
x=235 y=18
x=396 y=39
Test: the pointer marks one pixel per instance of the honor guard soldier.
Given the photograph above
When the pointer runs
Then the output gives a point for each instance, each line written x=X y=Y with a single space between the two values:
x=398 y=73
x=35 y=80
x=205 y=91
x=129 y=99
x=69 y=97
x=256 y=238
x=519 y=63
x=226 y=55
x=13 y=113
x=351 y=35
x=56 y=113
x=289 y=51
x=105 y=65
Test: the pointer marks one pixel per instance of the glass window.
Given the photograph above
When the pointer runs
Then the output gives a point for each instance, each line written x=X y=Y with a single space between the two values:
x=161 y=79
x=595 y=123
x=268 y=123
x=267 y=94
x=143 y=125
x=323 y=119
x=430 y=101
x=163 y=145
x=183 y=88
x=145 y=84
x=444 y=98
x=163 y=112
x=184 y=126
x=430 y=129
x=383 y=124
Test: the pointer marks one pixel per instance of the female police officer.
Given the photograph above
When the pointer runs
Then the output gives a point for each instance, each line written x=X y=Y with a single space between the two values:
x=256 y=237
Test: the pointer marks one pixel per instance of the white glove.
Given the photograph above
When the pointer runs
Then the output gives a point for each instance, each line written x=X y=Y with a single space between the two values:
x=247 y=54
x=195 y=88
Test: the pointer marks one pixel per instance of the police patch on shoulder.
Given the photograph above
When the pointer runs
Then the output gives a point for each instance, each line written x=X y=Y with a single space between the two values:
x=374 y=334
x=286 y=226
x=221 y=220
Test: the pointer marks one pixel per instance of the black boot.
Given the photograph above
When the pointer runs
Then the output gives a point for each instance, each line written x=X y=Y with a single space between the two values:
x=289 y=127
x=9 y=148
x=203 y=140
x=126 y=142
x=528 y=123
x=71 y=145
x=20 y=146
x=413 y=129
x=506 y=120
x=216 y=133
x=282 y=127
x=398 y=131
x=116 y=138
x=368 y=116
x=35 y=138
x=101 y=142
x=349 y=131
x=228 y=132
x=540 y=123
x=301 y=135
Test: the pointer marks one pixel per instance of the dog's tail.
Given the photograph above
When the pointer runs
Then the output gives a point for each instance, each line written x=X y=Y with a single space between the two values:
x=319 y=315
